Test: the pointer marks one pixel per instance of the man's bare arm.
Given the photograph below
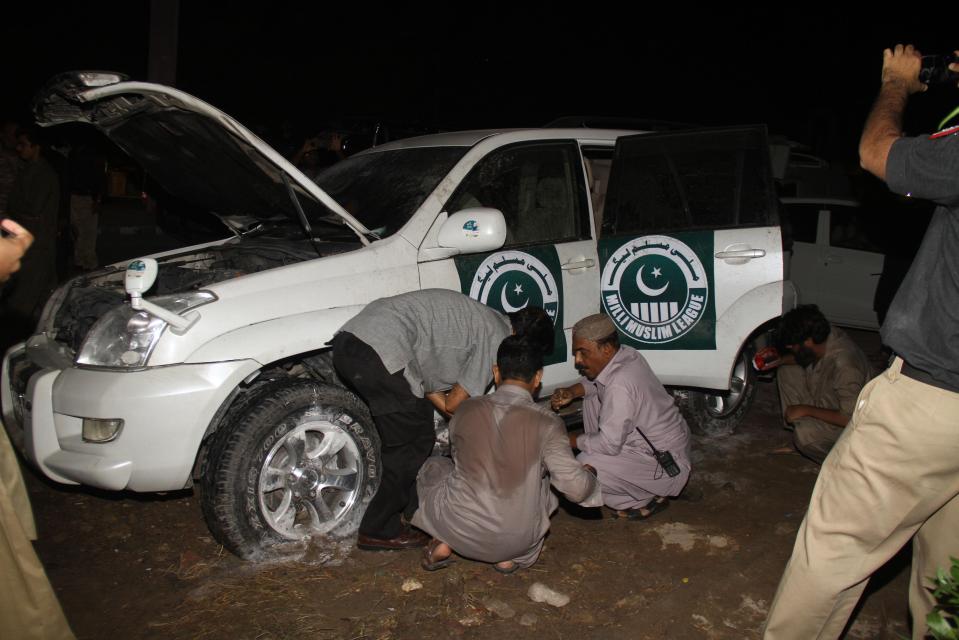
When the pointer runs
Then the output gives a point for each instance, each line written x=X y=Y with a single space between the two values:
x=447 y=403
x=900 y=79
x=796 y=411
x=564 y=395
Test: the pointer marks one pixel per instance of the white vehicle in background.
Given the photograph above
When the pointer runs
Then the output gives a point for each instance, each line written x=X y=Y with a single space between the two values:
x=674 y=235
x=836 y=262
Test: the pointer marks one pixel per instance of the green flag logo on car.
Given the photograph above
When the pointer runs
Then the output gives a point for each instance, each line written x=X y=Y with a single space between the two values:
x=655 y=289
x=512 y=280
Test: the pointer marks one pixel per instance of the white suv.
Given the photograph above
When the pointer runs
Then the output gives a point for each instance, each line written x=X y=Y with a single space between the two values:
x=674 y=235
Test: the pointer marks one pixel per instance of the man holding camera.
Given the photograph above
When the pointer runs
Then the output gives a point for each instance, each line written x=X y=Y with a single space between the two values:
x=629 y=418
x=894 y=473
x=28 y=609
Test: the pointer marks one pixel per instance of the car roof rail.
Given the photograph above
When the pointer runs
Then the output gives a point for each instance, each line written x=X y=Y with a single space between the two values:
x=617 y=122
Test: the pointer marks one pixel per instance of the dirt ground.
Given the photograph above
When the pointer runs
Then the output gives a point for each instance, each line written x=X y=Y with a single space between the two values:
x=131 y=566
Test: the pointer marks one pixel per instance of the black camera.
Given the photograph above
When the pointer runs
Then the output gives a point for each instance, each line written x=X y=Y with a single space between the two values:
x=935 y=69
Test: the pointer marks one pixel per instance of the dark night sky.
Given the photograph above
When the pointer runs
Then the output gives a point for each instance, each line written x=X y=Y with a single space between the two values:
x=811 y=78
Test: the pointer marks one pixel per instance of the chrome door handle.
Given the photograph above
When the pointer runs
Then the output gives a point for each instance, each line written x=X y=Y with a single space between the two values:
x=579 y=264
x=747 y=254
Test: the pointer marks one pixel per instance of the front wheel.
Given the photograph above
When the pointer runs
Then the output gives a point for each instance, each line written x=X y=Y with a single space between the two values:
x=716 y=414
x=301 y=459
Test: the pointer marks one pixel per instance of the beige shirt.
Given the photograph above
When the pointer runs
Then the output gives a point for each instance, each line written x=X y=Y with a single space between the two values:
x=837 y=378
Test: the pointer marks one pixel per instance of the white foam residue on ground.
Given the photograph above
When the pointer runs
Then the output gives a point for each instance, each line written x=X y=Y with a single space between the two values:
x=677 y=533
x=757 y=607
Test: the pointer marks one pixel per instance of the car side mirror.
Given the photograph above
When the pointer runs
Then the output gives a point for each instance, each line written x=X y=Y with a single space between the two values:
x=473 y=230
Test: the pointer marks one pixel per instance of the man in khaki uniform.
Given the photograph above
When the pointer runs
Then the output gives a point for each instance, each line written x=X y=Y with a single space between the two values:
x=28 y=607
x=894 y=473
x=819 y=379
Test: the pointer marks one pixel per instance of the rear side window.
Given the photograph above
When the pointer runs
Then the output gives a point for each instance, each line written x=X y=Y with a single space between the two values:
x=849 y=228
x=704 y=179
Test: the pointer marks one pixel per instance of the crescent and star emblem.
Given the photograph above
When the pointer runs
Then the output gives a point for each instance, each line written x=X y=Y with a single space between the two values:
x=507 y=307
x=649 y=291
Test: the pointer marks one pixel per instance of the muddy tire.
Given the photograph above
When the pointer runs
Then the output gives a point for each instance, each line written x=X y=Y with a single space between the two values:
x=718 y=414
x=299 y=460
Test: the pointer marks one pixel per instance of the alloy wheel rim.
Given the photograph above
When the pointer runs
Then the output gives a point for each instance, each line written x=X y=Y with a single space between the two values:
x=721 y=405
x=309 y=480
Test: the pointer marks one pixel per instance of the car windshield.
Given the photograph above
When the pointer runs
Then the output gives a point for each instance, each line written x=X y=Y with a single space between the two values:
x=382 y=190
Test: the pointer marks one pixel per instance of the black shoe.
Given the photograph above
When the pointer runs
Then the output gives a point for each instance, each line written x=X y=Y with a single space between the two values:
x=409 y=538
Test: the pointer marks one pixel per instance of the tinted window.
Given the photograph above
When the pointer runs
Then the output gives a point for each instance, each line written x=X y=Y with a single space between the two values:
x=802 y=220
x=849 y=229
x=538 y=187
x=692 y=180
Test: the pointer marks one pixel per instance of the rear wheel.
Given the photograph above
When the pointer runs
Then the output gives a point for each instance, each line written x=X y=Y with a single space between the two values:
x=718 y=414
x=300 y=460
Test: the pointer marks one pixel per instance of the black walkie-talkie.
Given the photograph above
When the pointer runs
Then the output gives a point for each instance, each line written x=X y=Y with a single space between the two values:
x=664 y=458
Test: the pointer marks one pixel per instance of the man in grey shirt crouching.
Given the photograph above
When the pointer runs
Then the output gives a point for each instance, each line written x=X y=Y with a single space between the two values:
x=406 y=356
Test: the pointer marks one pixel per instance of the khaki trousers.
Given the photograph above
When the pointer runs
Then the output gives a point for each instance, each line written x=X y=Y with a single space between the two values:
x=892 y=476
x=28 y=607
x=813 y=437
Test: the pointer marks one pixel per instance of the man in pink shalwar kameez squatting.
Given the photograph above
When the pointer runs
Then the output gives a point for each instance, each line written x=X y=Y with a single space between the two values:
x=622 y=397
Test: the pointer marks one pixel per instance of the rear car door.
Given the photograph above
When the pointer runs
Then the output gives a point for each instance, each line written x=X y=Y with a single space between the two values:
x=690 y=249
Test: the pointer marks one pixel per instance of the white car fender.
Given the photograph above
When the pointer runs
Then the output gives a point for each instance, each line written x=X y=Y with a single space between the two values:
x=740 y=320
x=301 y=333
x=308 y=288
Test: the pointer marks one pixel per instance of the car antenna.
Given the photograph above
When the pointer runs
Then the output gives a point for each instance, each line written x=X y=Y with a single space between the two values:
x=299 y=211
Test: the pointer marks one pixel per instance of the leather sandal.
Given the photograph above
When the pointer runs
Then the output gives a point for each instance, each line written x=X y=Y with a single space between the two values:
x=512 y=568
x=429 y=563
x=641 y=513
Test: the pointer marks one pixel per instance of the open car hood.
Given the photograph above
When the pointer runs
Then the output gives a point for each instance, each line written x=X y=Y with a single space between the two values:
x=195 y=151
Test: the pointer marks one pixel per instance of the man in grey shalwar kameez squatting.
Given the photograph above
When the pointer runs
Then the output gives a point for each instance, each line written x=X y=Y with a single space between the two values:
x=492 y=502
x=622 y=394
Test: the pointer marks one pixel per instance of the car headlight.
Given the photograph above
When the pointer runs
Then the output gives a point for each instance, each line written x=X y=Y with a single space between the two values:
x=125 y=337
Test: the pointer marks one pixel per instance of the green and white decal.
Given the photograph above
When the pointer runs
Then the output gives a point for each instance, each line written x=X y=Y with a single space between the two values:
x=511 y=280
x=659 y=290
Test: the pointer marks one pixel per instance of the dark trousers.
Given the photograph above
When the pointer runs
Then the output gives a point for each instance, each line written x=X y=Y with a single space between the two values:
x=404 y=423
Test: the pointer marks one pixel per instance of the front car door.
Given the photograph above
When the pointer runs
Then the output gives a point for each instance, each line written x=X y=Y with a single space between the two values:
x=549 y=258
x=690 y=249
x=852 y=262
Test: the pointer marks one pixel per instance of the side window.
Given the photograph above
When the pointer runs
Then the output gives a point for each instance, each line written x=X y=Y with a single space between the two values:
x=802 y=220
x=690 y=180
x=847 y=230
x=538 y=187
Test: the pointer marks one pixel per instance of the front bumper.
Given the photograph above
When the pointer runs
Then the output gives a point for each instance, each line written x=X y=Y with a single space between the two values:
x=166 y=412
